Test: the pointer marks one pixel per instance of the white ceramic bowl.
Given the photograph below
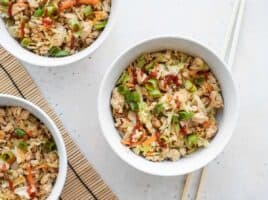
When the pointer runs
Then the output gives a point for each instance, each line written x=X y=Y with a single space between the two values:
x=14 y=48
x=227 y=118
x=9 y=100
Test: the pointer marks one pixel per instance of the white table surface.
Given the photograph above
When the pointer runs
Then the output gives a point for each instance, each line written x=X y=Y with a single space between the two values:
x=241 y=171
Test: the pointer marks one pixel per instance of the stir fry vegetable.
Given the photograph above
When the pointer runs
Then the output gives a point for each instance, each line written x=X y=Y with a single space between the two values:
x=29 y=160
x=55 y=28
x=164 y=105
x=57 y=52
x=19 y=132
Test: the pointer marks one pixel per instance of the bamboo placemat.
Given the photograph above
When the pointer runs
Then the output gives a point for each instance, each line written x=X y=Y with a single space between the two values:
x=83 y=182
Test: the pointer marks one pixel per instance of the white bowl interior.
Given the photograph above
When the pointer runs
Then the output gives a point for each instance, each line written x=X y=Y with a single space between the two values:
x=227 y=118
x=13 y=47
x=8 y=100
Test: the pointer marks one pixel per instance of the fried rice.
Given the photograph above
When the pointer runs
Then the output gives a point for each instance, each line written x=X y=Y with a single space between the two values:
x=55 y=28
x=29 y=160
x=164 y=105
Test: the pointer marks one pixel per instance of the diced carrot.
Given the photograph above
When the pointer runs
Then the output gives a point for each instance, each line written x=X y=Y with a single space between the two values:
x=66 y=4
x=99 y=15
x=134 y=144
x=206 y=124
x=10 y=183
x=141 y=140
x=149 y=140
x=22 y=26
x=91 y=2
x=149 y=153
x=126 y=142
x=31 y=181
x=30 y=133
x=47 y=22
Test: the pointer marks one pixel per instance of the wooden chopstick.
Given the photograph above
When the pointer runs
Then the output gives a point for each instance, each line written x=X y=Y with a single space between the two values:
x=186 y=186
x=230 y=46
x=234 y=43
x=228 y=54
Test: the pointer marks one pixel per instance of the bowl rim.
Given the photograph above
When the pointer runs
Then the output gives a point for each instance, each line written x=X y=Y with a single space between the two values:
x=62 y=173
x=110 y=70
x=43 y=61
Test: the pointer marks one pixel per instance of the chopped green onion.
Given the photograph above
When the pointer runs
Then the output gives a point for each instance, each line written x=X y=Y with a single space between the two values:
x=4 y=2
x=152 y=87
x=181 y=65
x=192 y=139
x=123 y=78
x=141 y=61
x=77 y=33
x=151 y=84
x=134 y=106
x=39 y=12
x=121 y=89
x=87 y=10
x=49 y=146
x=22 y=145
x=149 y=67
x=8 y=157
x=184 y=115
x=57 y=52
x=19 y=132
x=51 y=10
x=205 y=67
x=145 y=149
x=164 y=138
x=199 y=80
x=190 y=86
x=135 y=96
x=131 y=97
x=175 y=123
x=155 y=93
x=175 y=119
x=25 y=42
x=100 y=25
x=158 y=109
x=74 y=24
x=160 y=59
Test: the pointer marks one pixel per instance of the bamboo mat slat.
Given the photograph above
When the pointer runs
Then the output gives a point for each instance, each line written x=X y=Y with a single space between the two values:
x=83 y=182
